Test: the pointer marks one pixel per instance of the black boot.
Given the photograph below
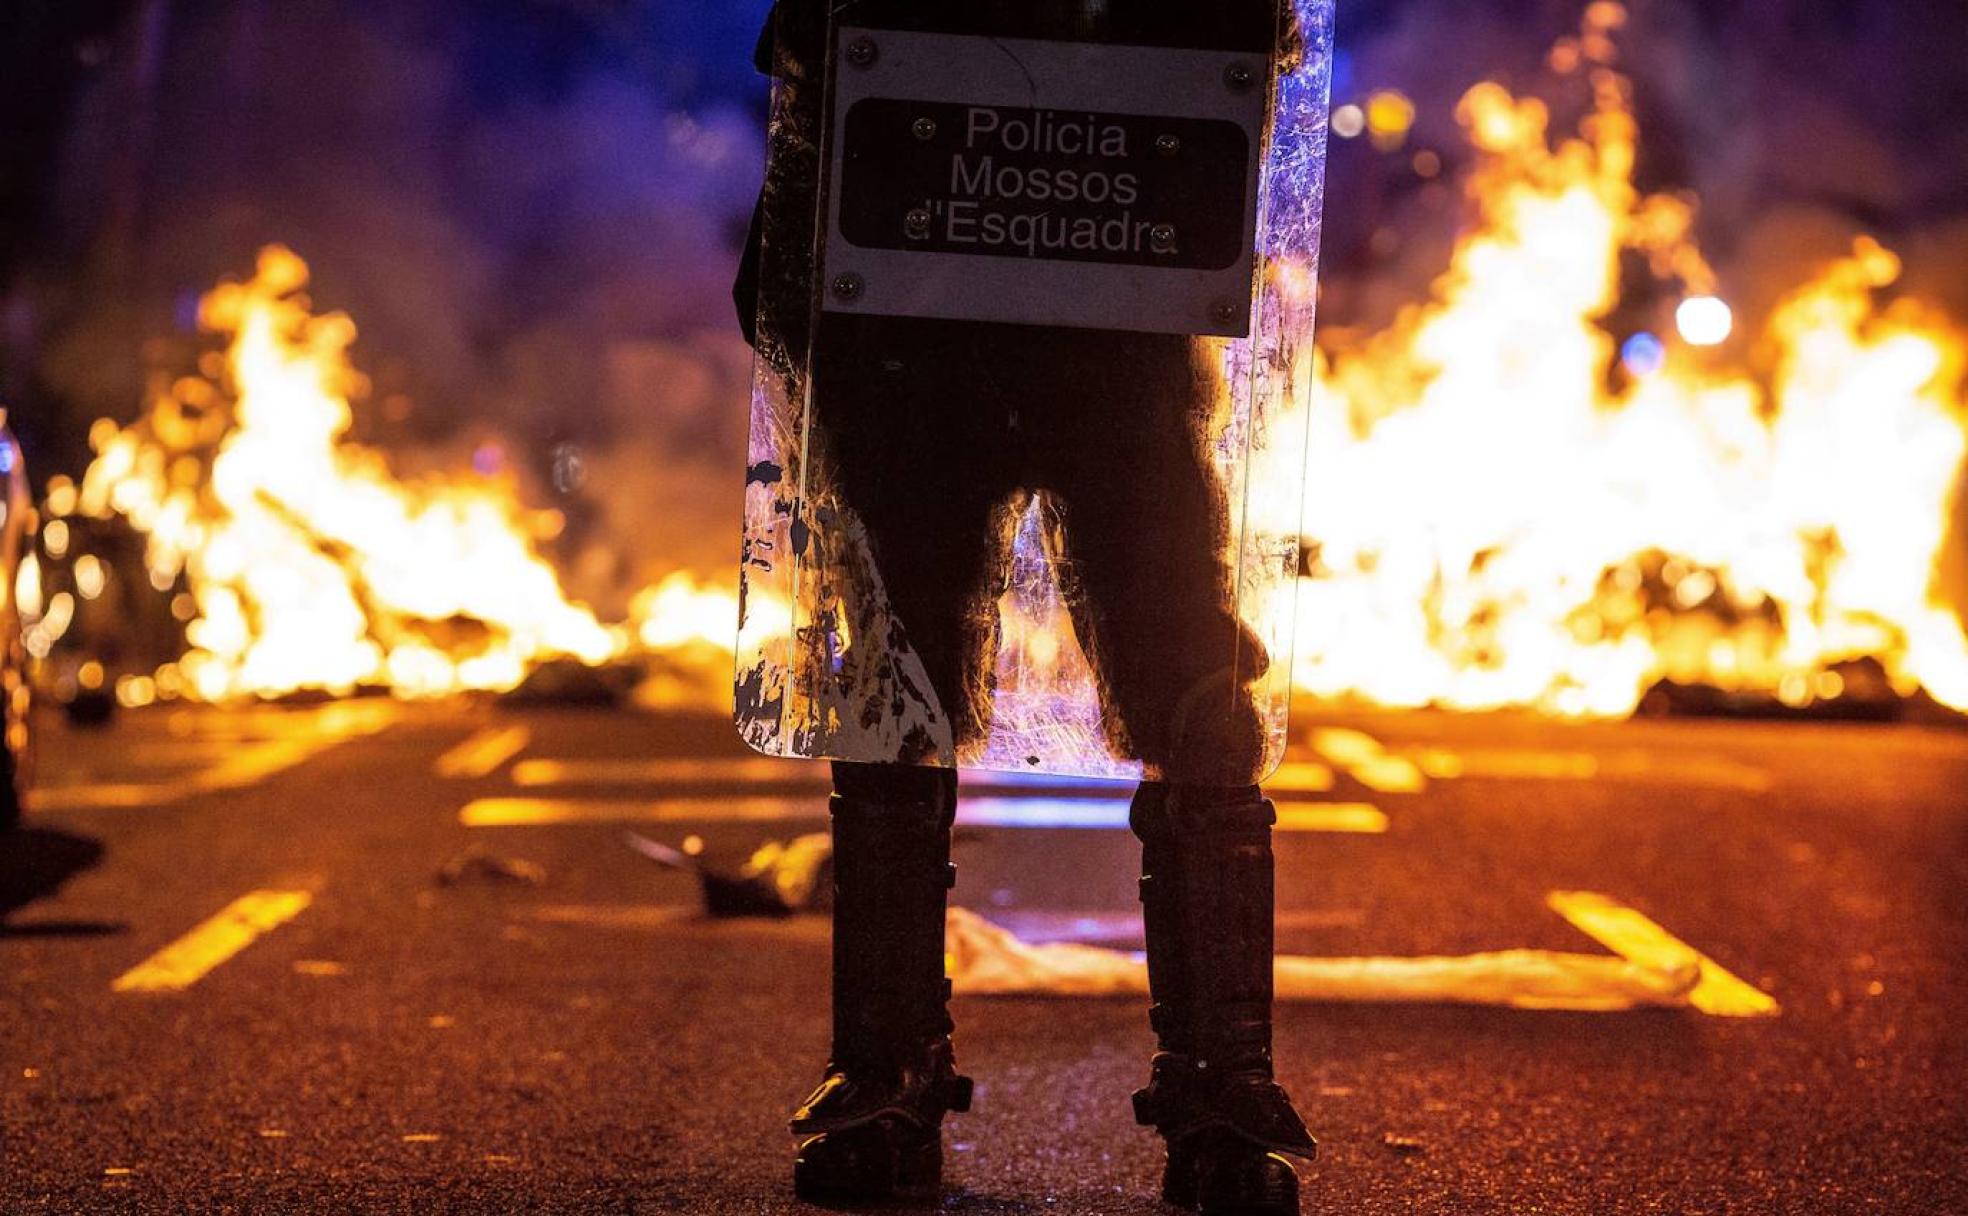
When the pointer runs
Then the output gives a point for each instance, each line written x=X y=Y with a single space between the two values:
x=872 y=1131
x=1207 y=897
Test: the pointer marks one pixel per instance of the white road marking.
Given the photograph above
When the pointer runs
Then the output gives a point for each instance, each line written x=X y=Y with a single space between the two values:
x=1104 y=814
x=483 y=753
x=538 y=812
x=1631 y=935
x=534 y=774
x=305 y=736
x=1529 y=764
x=192 y=957
x=1365 y=759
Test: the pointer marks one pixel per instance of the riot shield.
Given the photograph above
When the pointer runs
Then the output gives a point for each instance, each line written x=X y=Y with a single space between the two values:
x=1036 y=287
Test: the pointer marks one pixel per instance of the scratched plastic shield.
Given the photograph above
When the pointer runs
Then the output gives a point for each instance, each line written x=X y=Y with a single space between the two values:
x=1029 y=423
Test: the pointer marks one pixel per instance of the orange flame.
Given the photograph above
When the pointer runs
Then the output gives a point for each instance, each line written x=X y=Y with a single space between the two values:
x=311 y=565
x=1489 y=523
x=1493 y=526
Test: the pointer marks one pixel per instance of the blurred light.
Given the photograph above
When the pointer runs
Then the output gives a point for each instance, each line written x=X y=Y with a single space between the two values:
x=1643 y=355
x=90 y=576
x=1427 y=163
x=91 y=675
x=1390 y=115
x=135 y=692
x=55 y=538
x=1704 y=321
x=61 y=496
x=7 y=458
x=1342 y=72
x=27 y=588
x=1348 y=121
x=488 y=459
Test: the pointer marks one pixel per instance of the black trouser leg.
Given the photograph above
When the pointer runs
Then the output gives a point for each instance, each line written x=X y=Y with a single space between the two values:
x=1207 y=897
x=873 y=1129
x=892 y=877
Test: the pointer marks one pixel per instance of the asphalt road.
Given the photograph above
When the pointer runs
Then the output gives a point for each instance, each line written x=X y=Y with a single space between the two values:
x=550 y=1027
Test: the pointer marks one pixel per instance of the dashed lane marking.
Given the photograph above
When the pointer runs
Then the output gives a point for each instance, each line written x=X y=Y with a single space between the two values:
x=1367 y=761
x=484 y=753
x=1298 y=777
x=1301 y=777
x=1346 y=818
x=1631 y=935
x=189 y=959
x=534 y=774
x=249 y=764
x=1665 y=768
x=1099 y=814
x=540 y=812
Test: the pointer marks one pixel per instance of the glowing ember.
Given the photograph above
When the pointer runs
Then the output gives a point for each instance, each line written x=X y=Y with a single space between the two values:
x=1492 y=525
x=311 y=566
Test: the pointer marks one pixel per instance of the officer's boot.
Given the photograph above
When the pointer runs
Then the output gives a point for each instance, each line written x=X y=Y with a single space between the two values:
x=872 y=1131
x=1207 y=896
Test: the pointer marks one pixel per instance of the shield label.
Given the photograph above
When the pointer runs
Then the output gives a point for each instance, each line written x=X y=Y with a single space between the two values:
x=1045 y=183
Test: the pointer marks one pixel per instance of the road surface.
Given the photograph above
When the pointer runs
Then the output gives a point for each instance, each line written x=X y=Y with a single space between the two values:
x=366 y=957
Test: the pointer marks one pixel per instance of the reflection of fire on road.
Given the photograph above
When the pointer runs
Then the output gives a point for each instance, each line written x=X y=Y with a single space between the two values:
x=1503 y=512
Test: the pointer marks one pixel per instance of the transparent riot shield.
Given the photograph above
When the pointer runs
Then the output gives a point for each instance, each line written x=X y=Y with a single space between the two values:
x=1029 y=425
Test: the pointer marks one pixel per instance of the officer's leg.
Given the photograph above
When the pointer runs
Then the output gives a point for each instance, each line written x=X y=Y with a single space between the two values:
x=872 y=1130
x=1145 y=530
x=911 y=417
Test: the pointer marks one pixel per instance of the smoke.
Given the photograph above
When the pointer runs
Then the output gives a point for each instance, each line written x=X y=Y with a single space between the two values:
x=531 y=211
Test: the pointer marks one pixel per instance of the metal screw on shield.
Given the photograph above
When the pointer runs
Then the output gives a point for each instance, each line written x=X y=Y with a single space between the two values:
x=1240 y=77
x=1168 y=145
x=848 y=286
x=916 y=224
x=1162 y=238
x=924 y=129
x=863 y=52
x=1223 y=312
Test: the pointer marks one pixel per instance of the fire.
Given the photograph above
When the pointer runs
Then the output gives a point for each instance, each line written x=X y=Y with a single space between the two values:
x=1491 y=525
x=309 y=564
x=1493 y=519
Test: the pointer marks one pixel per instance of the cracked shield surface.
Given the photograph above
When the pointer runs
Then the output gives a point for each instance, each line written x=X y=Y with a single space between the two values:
x=1029 y=432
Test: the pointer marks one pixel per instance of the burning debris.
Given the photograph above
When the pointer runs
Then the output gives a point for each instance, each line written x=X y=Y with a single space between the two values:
x=1506 y=513
x=295 y=560
x=1509 y=505
x=780 y=878
x=307 y=563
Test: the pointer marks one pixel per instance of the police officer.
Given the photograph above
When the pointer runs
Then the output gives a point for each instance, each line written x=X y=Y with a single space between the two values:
x=935 y=433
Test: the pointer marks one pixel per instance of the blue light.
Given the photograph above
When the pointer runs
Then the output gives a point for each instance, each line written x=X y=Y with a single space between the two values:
x=7 y=459
x=1108 y=815
x=1643 y=355
x=1342 y=73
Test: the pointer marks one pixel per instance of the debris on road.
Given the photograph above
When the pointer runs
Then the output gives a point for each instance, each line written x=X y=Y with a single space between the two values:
x=477 y=865
x=1404 y=1146
x=986 y=960
x=780 y=878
